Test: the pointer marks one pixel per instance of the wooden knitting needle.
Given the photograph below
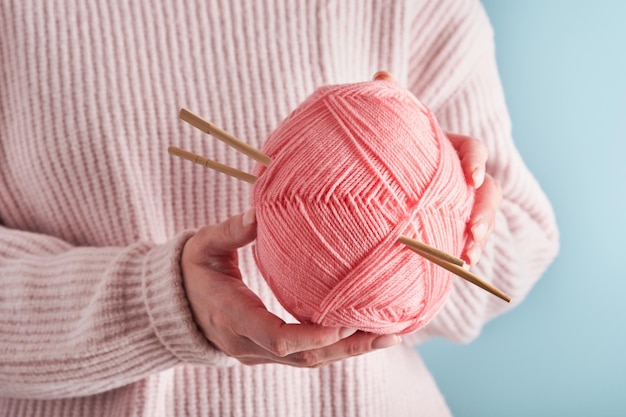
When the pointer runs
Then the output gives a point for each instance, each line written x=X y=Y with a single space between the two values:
x=432 y=255
x=209 y=163
x=415 y=244
x=208 y=127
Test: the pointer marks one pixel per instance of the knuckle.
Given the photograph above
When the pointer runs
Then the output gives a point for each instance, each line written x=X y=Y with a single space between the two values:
x=279 y=346
x=354 y=349
x=223 y=228
x=307 y=359
x=207 y=234
x=220 y=232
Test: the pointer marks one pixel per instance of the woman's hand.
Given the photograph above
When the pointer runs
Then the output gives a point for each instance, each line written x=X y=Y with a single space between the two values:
x=235 y=320
x=473 y=155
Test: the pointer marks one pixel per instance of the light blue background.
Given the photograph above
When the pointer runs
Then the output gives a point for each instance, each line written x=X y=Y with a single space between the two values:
x=563 y=351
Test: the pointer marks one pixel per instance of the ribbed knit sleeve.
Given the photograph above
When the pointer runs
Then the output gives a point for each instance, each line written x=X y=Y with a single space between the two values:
x=462 y=86
x=81 y=320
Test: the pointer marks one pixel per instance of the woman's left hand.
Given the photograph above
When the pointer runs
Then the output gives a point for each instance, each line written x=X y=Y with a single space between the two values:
x=473 y=156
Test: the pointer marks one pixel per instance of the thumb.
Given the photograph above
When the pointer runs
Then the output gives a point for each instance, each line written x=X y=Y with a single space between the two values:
x=232 y=233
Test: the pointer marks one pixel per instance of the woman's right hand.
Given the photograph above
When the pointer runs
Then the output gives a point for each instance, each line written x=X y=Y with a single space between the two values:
x=235 y=320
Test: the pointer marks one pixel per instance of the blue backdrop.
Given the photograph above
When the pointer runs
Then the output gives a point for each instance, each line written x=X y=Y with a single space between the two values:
x=563 y=351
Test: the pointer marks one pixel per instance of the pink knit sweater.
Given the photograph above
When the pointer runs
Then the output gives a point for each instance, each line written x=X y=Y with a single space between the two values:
x=94 y=212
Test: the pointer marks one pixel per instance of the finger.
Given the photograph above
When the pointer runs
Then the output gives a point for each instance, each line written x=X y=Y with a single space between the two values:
x=282 y=339
x=383 y=76
x=231 y=234
x=357 y=344
x=483 y=217
x=473 y=155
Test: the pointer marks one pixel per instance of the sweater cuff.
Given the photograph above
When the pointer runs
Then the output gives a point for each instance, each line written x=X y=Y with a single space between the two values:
x=169 y=310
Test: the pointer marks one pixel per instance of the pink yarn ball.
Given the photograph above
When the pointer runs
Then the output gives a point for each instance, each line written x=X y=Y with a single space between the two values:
x=354 y=167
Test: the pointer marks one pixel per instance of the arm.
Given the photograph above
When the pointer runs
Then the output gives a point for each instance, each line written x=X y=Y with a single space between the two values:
x=80 y=321
x=83 y=320
x=525 y=239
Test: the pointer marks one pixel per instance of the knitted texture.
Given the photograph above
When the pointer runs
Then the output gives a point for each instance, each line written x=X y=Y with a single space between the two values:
x=93 y=209
x=354 y=167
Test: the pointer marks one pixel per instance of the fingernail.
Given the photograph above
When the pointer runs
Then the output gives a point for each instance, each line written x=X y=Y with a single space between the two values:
x=383 y=76
x=249 y=217
x=386 y=341
x=473 y=253
x=479 y=230
x=346 y=332
x=478 y=176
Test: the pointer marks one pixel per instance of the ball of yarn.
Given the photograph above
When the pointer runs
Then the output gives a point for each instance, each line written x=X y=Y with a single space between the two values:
x=354 y=167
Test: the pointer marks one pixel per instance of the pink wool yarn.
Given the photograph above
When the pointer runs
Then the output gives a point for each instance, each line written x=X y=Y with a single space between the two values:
x=354 y=167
